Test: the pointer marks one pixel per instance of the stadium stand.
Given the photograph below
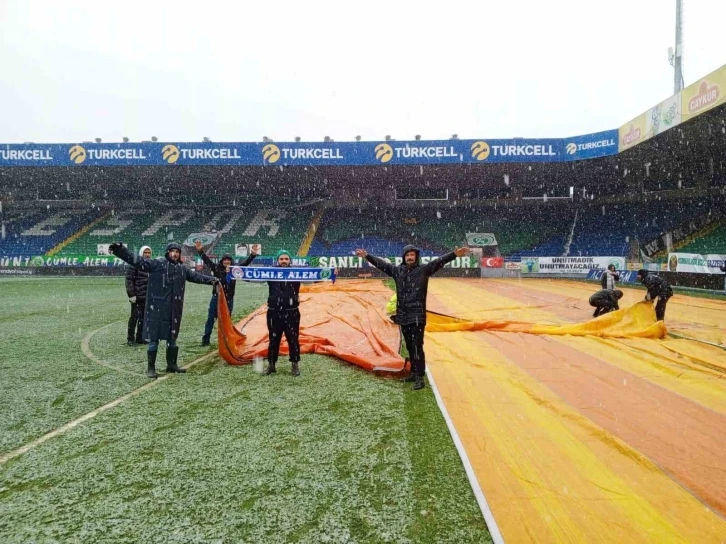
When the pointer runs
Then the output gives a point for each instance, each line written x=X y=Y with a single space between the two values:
x=607 y=229
x=37 y=232
x=712 y=243
x=520 y=230
x=154 y=227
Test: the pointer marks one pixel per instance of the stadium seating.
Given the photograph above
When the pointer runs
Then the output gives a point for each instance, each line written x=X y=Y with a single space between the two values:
x=712 y=243
x=273 y=228
x=604 y=230
x=386 y=232
x=37 y=232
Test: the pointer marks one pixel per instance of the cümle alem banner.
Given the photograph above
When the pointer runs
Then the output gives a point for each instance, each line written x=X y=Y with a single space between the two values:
x=292 y=274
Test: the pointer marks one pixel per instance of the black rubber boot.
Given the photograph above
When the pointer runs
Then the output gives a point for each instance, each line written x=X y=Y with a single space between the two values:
x=171 y=355
x=270 y=369
x=409 y=377
x=205 y=340
x=420 y=384
x=151 y=364
x=295 y=368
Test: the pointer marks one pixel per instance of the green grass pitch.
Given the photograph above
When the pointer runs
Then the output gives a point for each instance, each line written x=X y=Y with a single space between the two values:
x=221 y=454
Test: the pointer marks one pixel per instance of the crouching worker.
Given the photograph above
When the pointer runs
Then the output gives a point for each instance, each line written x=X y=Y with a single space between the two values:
x=605 y=301
x=283 y=317
x=657 y=288
x=228 y=286
x=164 y=300
x=412 y=281
x=136 y=281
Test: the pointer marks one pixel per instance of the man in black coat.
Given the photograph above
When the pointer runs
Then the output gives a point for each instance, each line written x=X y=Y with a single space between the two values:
x=283 y=317
x=609 y=277
x=657 y=288
x=412 y=281
x=220 y=272
x=136 y=281
x=605 y=301
x=164 y=300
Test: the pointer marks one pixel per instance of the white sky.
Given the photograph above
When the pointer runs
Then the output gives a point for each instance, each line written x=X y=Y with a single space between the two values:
x=237 y=71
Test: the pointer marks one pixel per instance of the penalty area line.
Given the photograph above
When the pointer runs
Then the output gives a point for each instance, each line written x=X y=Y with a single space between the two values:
x=86 y=349
x=93 y=413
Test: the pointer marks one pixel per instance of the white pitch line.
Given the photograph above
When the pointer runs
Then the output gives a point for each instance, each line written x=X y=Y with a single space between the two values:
x=470 y=474
x=68 y=426
x=86 y=349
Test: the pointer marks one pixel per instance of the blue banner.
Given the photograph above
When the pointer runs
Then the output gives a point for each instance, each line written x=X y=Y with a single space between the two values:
x=306 y=154
x=590 y=146
x=277 y=273
x=626 y=276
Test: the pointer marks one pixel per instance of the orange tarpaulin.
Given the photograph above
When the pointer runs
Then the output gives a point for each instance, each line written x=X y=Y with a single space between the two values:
x=577 y=432
x=346 y=320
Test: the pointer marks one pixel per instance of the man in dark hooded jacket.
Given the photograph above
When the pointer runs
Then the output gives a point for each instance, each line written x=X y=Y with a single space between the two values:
x=412 y=281
x=283 y=317
x=220 y=272
x=657 y=288
x=136 y=281
x=164 y=300
x=605 y=301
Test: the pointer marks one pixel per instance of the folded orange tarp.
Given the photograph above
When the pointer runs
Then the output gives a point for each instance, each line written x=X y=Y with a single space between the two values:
x=346 y=319
x=637 y=321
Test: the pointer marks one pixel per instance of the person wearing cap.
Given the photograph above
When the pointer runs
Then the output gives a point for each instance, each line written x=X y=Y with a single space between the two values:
x=605 y=300
x=219 y=270
x=657 y=288
x=412 y=280
x=164 y=300
x=136 y=281
x=283 y=317
x=609 y=277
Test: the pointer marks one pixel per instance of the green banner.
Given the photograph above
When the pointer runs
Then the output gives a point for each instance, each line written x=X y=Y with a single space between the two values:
x=60 y=260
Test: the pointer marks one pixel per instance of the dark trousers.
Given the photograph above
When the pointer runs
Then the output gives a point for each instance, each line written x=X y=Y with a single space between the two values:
x=212 y=315
x=154 y=346
x=413 y=335
x=660 y=308
x=285 y=322
x=136 y=320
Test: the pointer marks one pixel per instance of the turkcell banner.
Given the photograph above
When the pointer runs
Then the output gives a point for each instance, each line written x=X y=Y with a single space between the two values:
x=590 y=146
x=575 y=265
x=284 y=154
x=694 y=263
x=302 y=274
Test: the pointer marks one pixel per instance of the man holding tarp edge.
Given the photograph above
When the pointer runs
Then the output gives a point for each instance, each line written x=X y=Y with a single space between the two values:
x=283 y=302
x=412 y=283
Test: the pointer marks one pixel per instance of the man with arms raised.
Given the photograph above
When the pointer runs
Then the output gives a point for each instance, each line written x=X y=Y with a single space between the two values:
x=412 y=283
x=164 y=300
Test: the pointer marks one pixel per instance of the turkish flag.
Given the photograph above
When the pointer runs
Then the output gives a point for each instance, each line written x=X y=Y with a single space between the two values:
x=492 y=262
